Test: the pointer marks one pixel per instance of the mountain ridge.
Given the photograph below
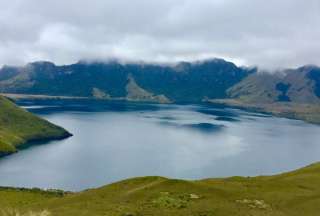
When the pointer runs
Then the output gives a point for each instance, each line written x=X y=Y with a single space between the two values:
x=300 y=85
x=184 y=81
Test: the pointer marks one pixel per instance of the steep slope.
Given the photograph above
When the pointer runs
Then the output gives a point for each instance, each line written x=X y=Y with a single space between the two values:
x=18 y=127
x=301 y=85
x=136 y=93
x=292 y=93
x=189 y=82
x=184 y=82
x=290 y=194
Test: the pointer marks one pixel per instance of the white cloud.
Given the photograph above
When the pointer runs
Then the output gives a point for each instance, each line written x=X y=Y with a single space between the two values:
x=254 y=32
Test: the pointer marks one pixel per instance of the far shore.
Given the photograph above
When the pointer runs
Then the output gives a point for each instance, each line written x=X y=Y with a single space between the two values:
x=32 y=96
x=306 y=112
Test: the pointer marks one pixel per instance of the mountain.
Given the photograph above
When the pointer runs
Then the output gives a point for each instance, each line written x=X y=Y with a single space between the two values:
x=293 y=93
x=290 y=194
x=301 y=85
x=18 y=127
x=290 y=93
x=183 y=82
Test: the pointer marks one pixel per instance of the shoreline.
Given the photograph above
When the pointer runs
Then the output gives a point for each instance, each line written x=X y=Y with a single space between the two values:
x=53 y=190
x=39 y=97
x=58 y=97
x=309 y=113
x=306 y=112
x=292 y=193
x=34 y=142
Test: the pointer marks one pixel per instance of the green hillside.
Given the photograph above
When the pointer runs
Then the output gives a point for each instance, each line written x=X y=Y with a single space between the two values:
x=18 y=127
x=291 y=194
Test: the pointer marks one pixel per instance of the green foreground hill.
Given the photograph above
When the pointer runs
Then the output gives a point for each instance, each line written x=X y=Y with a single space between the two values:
x=290 y=194
x=18 y=127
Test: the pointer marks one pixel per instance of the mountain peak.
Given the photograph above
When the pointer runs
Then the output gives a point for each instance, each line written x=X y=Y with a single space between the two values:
x=42 y=63
x=308 y=67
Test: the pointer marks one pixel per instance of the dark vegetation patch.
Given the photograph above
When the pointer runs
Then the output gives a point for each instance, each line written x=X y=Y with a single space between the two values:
x=7 y=72
x=315 y=76
x=200 y=127
x=283 y=88
x=204 y=127
x=219 y=113
x=226 y=118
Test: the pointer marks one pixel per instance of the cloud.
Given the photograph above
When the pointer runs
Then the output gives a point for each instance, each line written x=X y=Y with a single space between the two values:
x=265 y=33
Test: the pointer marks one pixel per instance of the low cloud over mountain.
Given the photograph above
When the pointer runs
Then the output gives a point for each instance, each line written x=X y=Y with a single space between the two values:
x=269 y=34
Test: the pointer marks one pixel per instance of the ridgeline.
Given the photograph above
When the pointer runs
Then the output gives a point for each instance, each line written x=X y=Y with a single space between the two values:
x=290 y=194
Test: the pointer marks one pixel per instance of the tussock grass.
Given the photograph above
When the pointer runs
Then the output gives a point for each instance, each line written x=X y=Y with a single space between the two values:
x=14 y=212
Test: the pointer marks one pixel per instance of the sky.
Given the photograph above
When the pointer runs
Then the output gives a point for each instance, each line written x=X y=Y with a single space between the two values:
x=268 y=34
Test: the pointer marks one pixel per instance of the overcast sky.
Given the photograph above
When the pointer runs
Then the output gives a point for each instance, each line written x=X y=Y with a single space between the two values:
x=267 y=33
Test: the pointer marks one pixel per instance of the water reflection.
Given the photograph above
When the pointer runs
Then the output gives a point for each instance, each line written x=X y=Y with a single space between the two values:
x=113 y=141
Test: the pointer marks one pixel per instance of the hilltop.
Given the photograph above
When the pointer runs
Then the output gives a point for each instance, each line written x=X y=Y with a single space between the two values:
x=19 y=127
x=290 y=194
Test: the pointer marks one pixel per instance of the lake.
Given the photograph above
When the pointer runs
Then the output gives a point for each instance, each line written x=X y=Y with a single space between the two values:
x=118 y=140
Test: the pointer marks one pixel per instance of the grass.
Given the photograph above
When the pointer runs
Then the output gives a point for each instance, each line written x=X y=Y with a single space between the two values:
x=290 y=194
x=18 y=127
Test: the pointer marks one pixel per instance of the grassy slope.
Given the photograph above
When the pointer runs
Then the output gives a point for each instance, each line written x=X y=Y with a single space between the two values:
x=18 y=126
x=296 y=193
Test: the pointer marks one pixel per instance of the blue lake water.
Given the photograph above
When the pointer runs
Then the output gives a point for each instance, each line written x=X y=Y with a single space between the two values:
x=116 y=140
